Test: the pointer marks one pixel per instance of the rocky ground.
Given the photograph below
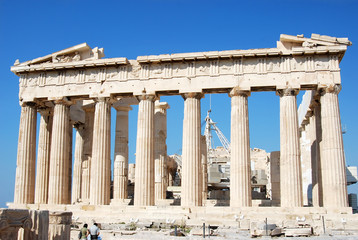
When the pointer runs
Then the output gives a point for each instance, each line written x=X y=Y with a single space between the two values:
x=165 y=234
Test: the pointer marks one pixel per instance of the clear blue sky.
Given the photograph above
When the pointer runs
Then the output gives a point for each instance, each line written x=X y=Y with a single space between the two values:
x=30 y=29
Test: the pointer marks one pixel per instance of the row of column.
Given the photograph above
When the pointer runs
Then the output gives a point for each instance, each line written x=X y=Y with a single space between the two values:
x=96 y=167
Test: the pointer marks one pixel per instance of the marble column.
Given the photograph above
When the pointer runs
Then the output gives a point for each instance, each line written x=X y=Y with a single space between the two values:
x=26 y=155
x=120 y=169
x=101 y=161
x=69 y=146
x=60 y=155
x=77 y=166
x=334 y=186
x=43 y=156
x=87 y=153
x=315 y=124
x=290 y=165
x=160 y=150
x=240 y=165
x=191 y=189
x=204 y=163
x=144 y=169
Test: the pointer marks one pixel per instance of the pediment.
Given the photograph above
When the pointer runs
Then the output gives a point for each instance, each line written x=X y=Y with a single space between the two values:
x=73 y=54
x=315 y=41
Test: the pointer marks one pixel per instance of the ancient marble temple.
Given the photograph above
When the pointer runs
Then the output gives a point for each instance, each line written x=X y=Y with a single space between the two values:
x=78 y=88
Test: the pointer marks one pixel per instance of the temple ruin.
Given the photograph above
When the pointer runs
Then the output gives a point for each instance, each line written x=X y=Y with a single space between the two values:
x=77 y=88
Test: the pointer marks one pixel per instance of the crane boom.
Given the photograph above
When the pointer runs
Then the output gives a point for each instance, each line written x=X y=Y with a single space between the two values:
x=211 y=125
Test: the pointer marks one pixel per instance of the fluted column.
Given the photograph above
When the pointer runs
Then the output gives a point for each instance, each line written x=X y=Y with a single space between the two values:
x=26 y=155
x=60 y=155
x=290 y=165
x=204 y=163
x=43 y=156
x=77 y=166
x=87 y=153
x=101 y=161
x=333 y=169
x=315 y=123
x=120 y=169
x=144 y=169
x=240 y=167
x=160 y=150
x=191 y=188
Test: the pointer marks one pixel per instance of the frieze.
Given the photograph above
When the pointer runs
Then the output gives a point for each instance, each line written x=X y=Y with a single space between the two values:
x=101 y=76
x=134 y=71
x=23 y=80
x=112 y=73
x=214 y=68
x=42 y=79
x=285 y=64
x=123 y=73
x=61 y=78
x=203 y=68
x=168 y=70
x=81 y=77
x=261 y=69
x=71 y=77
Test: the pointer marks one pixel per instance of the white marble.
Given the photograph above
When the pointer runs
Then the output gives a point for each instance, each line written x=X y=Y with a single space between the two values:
x=240 y=170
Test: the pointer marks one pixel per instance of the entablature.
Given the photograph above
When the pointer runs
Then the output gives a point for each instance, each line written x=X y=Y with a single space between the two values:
x=297 y=62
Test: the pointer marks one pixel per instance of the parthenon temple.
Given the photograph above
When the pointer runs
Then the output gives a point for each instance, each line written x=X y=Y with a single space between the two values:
x=77 y=88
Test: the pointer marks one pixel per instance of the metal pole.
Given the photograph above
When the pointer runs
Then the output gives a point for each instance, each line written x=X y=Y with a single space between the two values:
x=324 y=227
x=209 y=230
x=203 y=230
x=175 y=231
x=266 y=227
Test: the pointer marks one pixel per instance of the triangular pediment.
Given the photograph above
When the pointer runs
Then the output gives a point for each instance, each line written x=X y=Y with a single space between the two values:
x=72 y=54
x=314 y=41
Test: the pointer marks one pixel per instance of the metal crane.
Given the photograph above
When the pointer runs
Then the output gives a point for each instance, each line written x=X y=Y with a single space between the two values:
x=209 y=127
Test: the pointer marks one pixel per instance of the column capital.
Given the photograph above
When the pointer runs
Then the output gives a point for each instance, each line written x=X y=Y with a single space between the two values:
x=236 y=91
x=62 y=100
x=161 y=106
x=28 y=104
x=109 y=100
x=196 y=95
x=334 y=88
x=287 y=92
x=121 y=107
x=144 y=96
x=45 y=111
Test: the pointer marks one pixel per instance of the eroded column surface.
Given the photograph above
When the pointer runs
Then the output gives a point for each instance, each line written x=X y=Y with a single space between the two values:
x=26 y=155
x=87 y=153
x=77 y=166
x=43 y=156
x=240 y=167
x=204 y=163
x=144 y=169
x=60 y=155
x=101 y=161
x=317 y=196
x=191 y=193
x=334 y=186
x=120 y=169
x=290 y=165
x=160 y=149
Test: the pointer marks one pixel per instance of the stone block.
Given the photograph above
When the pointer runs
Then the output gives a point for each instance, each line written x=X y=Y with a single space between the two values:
x=298 y=232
